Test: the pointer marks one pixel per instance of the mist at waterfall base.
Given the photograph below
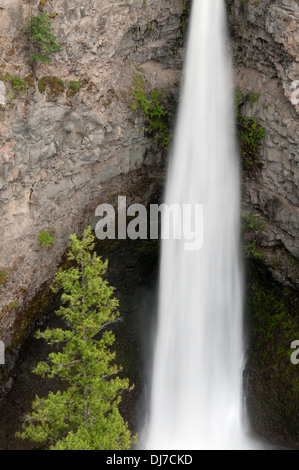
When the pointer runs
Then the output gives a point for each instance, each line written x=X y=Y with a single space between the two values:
x=196 y=396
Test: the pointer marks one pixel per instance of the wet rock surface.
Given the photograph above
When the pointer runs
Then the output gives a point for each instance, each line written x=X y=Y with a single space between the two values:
x=265 y=43
x=71 y=129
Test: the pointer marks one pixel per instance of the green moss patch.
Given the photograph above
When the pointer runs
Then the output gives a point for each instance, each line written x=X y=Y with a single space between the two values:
x=74 y=88
x=250 y=131
x=272 y=383
x=53 y=85
x=158 y=109
x=3 y=277
x=18 y=85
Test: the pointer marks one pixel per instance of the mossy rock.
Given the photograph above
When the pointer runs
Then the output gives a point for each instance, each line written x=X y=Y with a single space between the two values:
x=272 y=385
x=29 y=81
x=3 y=277
x=26 y=318
x=10 y=307
x=5 y=78
x=53 y=85
x=184 y=20
x=18 y=85
x=74 y=88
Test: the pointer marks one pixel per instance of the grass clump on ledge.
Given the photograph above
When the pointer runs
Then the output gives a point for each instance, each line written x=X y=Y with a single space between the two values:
x=3 y=277
x=18 y=85
x=74 y=87
x=54 y=85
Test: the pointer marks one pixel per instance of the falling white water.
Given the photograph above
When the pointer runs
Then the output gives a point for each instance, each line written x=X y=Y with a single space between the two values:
x=196 y=398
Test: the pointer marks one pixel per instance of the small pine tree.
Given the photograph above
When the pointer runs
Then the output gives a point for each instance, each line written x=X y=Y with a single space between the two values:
x=41 y=35
x=85 y=416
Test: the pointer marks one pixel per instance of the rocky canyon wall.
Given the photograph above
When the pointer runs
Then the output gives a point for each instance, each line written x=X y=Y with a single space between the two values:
x=266 y=64
x=265 y=44
x=69 y=138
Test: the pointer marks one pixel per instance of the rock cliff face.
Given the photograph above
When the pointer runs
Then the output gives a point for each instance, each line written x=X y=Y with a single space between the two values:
x=265 y=43
x=68 y=135
x=266 y=55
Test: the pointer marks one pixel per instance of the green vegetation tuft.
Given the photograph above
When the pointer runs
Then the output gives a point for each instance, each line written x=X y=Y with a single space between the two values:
x=3 y=277
x=18 y=85
x=250 y=132
x=54 y=85
x=46 y=238
x=10 y=307
x=185 y=15
x=74 y=87
x=252 y=135
x=153 y=107
x=253 y=98
x=255 y=224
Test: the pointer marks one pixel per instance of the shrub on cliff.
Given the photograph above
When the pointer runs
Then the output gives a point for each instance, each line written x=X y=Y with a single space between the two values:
x=42 y=38
x=153 y=107
x=85 y=415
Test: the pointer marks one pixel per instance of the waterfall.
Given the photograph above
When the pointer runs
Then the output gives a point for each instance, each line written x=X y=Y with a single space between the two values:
x=196 y=395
